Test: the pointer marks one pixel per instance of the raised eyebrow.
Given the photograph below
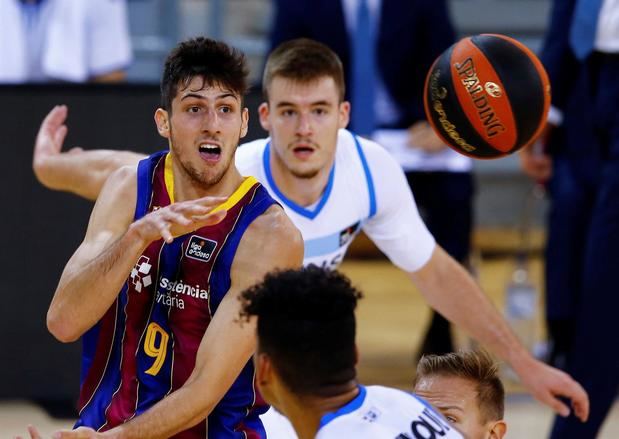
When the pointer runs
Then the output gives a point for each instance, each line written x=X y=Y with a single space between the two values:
x=193 y=95
x=227 y=95
x=199 y=96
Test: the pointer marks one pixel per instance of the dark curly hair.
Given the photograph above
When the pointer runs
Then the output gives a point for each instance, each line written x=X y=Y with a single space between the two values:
x=214 y=61
x=306 y=325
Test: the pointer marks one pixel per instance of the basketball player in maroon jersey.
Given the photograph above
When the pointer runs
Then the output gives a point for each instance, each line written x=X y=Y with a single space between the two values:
x=164 y=354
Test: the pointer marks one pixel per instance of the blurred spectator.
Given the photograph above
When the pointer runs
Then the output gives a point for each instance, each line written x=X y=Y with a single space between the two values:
x=63 y=40
x=387 y=47
x=579 y=154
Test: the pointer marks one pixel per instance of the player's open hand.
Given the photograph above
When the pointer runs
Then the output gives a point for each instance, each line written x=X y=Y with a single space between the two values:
x=179 y=218
x=534 y=161
x=51 y=136
x=33 y=432
x=48 y=143
x=79 y=433
x=548 y=384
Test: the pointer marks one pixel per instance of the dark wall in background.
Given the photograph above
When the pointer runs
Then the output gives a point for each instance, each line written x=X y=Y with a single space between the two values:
x=40 y=229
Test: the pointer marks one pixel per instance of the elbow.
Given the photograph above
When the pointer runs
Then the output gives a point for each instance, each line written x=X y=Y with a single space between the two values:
x=61 y=328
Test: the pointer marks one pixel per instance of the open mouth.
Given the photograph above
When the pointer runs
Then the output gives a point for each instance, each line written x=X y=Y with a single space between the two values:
x=303 y=151
x=210 y=152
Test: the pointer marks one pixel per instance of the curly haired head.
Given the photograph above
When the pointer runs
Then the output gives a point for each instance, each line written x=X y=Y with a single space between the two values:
x=306 y=325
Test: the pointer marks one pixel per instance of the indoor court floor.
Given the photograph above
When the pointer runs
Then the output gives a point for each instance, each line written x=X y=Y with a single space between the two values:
x=392 y=318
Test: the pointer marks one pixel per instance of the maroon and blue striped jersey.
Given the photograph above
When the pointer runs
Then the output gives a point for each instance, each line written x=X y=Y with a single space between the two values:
x=145 y=345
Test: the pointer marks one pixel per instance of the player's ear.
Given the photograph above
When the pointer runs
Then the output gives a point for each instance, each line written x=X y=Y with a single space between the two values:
x=263 y=112
x=244 y=122
x=344 y=116
x=498 y=430
x=264 y=368
x=163 y=122
x=356 y=355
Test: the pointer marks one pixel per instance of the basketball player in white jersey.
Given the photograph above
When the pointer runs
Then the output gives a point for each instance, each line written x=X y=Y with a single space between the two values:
x=332 y=184
x=306 y=362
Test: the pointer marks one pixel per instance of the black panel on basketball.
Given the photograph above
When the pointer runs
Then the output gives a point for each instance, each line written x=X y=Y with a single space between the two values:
x=518 y=74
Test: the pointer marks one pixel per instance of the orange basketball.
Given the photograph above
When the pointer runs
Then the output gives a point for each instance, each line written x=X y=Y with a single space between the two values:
x=487 y=96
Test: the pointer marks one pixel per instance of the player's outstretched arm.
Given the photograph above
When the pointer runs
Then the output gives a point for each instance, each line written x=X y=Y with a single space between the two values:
x=77 y=171
x=271 y=242
x=451 y=290
x=97 y=270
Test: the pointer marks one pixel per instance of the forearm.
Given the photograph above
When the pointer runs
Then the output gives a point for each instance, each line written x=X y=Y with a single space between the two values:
x=177 y=412
x=85 y=292
x=452 y=291
x=81 y=172
x=217 y=367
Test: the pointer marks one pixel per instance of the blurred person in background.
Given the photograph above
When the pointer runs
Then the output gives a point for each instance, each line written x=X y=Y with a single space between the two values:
x=578 y=157
x=388 y=46
x=63 y=40
x=465 y=388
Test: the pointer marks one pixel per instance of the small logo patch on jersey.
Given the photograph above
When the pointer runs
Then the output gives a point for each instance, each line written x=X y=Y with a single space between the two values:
x=140 y=274
x=200 y=248
x=371 y=415
x=348 y=234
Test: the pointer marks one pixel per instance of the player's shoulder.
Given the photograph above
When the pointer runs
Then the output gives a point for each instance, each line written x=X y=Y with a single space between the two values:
x=422 y=412
x=373 y=153
x=275 y=235
x=275 y=221
x=390 y=394
x=250 y=152
x=123 y=181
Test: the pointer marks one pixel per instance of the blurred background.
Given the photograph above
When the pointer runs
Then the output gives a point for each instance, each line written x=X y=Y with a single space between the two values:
x=39 y=377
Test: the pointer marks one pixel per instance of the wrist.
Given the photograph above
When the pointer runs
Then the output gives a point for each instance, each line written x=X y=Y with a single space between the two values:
x=520 y=360
x=136 y=236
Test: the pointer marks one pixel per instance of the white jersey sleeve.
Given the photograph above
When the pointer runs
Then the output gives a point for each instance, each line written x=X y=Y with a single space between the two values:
x=396 y=228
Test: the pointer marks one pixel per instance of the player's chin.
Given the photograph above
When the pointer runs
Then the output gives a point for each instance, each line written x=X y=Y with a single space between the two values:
x=305 y=172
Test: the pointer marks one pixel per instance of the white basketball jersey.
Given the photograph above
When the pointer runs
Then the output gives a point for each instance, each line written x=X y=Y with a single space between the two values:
x=376 y=413
x=366 y=190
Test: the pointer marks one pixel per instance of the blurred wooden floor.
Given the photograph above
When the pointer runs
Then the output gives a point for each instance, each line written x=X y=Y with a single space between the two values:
x=392 y=318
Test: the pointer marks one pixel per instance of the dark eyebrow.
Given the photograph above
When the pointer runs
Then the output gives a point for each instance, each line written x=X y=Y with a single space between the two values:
x=313 y=104
x=199 y=96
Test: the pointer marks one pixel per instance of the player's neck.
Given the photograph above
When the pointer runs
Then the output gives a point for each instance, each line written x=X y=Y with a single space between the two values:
x=306 y=413
x=185 y=188
x=304 y=191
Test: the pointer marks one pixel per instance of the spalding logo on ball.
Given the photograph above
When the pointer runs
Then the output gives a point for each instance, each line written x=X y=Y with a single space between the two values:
x=487 y=96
